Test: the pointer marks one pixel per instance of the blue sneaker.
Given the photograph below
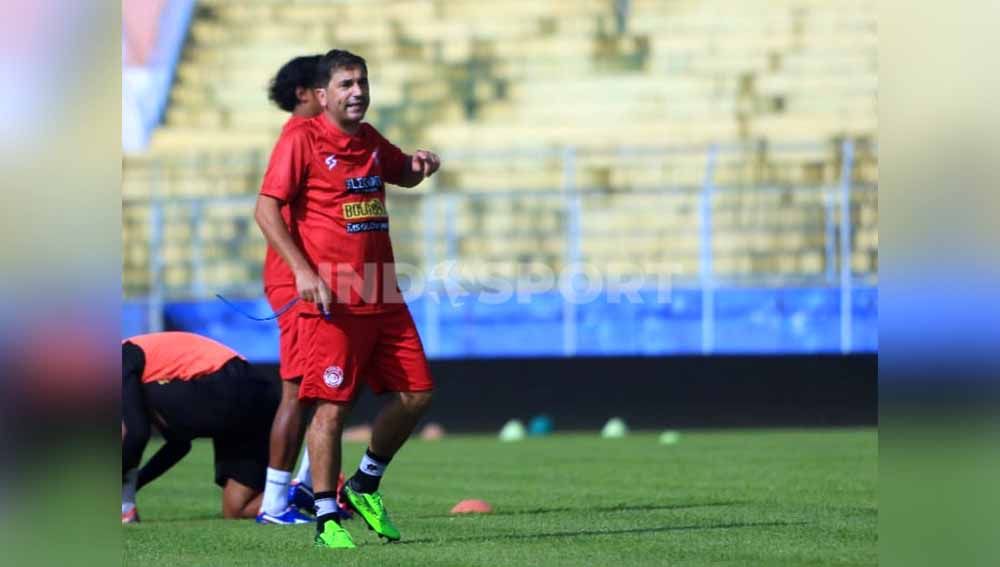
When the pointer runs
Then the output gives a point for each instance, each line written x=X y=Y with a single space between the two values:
x=291 y=516
x=301 y=496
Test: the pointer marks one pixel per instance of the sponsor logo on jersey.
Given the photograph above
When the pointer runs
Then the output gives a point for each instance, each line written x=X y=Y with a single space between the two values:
x=369 y=226
x=370 y=184
x=330 y=161
x=370 y=209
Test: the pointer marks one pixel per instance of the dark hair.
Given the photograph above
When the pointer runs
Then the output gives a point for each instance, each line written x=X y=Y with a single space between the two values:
x=338 y=59
x=299 y=72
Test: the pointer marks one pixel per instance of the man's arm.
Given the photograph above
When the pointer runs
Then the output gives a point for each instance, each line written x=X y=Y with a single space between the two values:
x=310 y=287
x=420 y=165
x=168 y=456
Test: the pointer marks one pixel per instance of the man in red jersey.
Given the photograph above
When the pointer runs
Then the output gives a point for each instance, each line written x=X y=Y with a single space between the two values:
x=335 y=252
x=190 y=386
x=293 y=90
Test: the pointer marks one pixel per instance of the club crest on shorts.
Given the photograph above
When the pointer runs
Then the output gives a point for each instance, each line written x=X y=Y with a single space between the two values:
x=333 y=376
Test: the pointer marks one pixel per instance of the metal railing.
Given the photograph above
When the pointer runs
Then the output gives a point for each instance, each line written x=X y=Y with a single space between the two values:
x=427 y=233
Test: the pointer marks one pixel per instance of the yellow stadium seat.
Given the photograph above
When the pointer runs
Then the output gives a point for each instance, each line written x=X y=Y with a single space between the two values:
x=529 y=77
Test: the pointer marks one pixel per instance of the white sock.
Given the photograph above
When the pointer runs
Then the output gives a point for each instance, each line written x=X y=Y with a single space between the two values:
x=276 y=491
x=326 y=506
x=304 y=476
x=371 y=466
x=129 y=487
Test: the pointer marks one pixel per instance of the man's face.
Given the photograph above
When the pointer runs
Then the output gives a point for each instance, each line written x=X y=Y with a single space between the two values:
x=346 y=96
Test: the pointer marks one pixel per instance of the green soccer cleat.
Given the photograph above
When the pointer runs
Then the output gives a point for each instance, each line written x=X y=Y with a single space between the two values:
x=371 y=510
x=334 y=536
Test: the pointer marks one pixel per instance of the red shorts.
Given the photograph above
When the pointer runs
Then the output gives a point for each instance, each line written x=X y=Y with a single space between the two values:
x=383 y=350
x=290 y=367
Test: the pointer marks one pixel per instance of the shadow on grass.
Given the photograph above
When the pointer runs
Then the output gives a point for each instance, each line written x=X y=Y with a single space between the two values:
x=589 y=509
x=584 y=533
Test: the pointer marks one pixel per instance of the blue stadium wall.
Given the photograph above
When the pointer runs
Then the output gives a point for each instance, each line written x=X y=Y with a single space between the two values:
x=760 y=321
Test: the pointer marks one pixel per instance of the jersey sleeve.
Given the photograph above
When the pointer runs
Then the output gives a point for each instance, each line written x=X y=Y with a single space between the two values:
x=394 y=161
x=288 y=167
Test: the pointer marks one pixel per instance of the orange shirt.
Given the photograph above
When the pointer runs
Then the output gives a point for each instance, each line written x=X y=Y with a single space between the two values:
x=180 y=356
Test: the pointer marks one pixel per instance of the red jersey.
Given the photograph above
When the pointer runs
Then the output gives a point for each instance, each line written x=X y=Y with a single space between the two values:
x=334 y=185
x=276 y=271
x=180 y=356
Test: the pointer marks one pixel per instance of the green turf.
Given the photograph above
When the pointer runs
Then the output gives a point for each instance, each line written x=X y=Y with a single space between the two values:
x=738 y=498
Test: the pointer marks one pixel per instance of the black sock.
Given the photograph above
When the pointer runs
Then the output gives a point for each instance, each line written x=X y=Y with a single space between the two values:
x=322 y=520
x=328 y=516
x=367 y=481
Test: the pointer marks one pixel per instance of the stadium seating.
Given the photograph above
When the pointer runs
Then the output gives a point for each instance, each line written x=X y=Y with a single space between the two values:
x=777 y=84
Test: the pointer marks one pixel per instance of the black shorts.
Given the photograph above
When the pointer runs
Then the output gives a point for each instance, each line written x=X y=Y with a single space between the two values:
x=234 y=406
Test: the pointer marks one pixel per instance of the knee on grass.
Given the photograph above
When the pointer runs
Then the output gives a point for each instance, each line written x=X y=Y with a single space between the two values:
x=239 y=501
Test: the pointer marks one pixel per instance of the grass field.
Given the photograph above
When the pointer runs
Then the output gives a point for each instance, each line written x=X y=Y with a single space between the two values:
x=733 y=497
